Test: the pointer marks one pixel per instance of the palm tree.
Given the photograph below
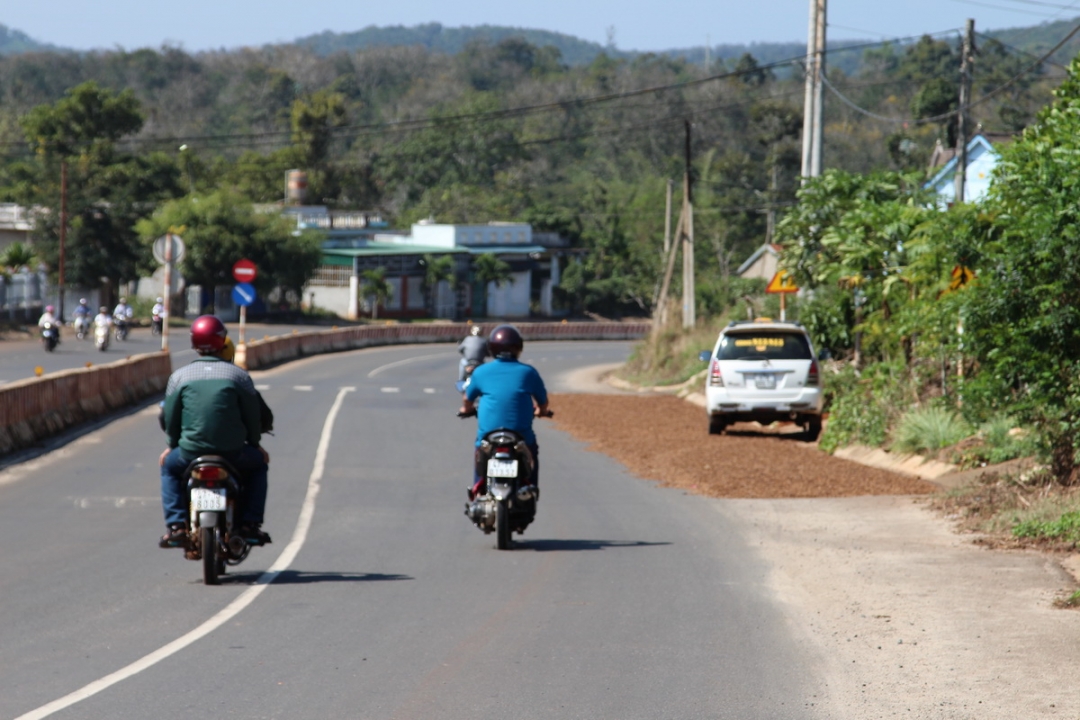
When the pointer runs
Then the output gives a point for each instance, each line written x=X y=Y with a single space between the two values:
x=17 y=255
x=377 y=287
x=436 y=269
x=488 y=268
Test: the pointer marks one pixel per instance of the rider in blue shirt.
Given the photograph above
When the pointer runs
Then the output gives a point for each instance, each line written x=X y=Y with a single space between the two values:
x=511 y=393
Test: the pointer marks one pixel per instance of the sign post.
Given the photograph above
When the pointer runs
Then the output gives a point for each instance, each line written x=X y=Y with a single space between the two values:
x=168 y=250
x=782 y=283
x=244 y=293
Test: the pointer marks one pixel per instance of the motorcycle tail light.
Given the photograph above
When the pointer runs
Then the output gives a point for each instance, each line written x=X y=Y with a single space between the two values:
x=714 y=375
x=504 y=449
x=209 y=473
x=813 y=376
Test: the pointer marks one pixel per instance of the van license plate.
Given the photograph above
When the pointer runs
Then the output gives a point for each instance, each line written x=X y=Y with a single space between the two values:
x=502 y=468
x=766 y=382
x=207 y=499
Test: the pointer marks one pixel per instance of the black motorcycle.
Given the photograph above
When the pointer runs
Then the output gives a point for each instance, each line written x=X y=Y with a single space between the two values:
x=504 y=499
x=50 y=336
x=121 y=326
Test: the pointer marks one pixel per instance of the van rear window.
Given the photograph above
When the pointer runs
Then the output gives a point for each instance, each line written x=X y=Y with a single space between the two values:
x=759 y=345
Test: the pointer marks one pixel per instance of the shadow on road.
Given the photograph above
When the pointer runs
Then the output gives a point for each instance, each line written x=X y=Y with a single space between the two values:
x=299 y=577
x=576 y=545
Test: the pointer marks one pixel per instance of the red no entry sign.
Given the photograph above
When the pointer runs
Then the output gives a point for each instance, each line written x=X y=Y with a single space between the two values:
x=244 y=271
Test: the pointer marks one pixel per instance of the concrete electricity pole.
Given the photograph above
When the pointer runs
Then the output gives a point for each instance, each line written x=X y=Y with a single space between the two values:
x=967 y=60
x=815 y=87
x=689 y=295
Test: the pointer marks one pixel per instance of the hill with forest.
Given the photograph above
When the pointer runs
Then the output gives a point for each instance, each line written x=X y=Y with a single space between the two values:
x=15 y=41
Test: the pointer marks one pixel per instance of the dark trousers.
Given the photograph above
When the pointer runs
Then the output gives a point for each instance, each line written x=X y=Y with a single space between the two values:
x=253 y=485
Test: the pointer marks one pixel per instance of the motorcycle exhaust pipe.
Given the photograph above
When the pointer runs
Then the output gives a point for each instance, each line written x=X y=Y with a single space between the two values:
x=529 y=492
x=236 y=544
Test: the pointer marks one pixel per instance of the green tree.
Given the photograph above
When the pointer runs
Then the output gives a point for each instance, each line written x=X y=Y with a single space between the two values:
x=436 y=269
x=374 y=285
x=108 y=191
x=488 y=268
x=1023 y=322
x=221 y=228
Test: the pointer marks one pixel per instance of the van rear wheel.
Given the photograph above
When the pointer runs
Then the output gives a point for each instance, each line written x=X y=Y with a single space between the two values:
x=813 y=429
x=716 y=425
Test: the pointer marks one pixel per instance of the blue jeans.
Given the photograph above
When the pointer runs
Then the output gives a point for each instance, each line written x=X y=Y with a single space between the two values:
x=248 y=462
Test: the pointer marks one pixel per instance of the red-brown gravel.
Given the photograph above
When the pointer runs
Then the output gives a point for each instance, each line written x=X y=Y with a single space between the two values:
x=665 y=439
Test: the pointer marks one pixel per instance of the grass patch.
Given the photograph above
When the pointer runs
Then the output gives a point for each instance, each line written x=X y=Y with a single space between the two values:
x=671 y=356
x=929 y=429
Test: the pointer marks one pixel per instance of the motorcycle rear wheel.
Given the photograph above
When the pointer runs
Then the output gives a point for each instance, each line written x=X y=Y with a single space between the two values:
x=209 y=546
x=503 y=540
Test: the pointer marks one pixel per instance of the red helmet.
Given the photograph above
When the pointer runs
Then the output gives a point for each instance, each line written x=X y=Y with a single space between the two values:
x=208 y=334
x=505 y=342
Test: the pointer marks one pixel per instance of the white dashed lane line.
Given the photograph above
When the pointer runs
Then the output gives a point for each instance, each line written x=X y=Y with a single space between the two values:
x=302 y=388
x=260 y=388
x=391 y=390
x=429 y=391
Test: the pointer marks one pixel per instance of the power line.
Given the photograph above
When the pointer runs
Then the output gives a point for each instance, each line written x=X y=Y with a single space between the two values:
x=509 y=112
x=944 y=116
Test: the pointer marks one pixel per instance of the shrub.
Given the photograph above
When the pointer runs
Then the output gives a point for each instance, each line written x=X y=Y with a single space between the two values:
x=929 y=429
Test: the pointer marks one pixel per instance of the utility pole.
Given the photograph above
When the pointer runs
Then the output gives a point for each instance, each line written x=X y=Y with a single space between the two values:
x=814 y=102
x=63 y=234
x=967 y=60
x=689 y=296
x=667 y=218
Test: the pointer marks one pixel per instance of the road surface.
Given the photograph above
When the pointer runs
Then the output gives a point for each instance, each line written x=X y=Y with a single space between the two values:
x=623 y=600
x=19 y=358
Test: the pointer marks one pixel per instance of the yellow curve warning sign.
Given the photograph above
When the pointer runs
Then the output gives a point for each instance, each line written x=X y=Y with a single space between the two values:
x=961 y=276
x=782 y=282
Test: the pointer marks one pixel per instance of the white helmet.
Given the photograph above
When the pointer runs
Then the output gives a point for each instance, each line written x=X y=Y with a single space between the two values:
x=475 y=330
x=159 y=300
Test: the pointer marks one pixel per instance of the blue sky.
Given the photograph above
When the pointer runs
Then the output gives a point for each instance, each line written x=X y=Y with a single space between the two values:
x=638 y=24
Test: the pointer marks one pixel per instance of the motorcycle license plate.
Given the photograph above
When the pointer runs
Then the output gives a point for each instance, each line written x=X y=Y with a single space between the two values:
x=207 y=499
x=502 y=468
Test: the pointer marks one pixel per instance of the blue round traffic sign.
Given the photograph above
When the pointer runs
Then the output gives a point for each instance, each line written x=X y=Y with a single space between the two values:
x=243 y=294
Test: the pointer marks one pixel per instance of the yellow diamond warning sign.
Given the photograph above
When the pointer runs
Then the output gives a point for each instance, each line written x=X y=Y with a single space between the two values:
x=961 y=276
x=782 y=282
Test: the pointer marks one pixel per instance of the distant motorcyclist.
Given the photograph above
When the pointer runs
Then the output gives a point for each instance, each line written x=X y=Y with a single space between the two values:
x=103 y=318
x=81 y=317
x=49 y=318
x=212 y=408
x=157 y=315
x=510 y=394
x=122 y=315
x=473 y=349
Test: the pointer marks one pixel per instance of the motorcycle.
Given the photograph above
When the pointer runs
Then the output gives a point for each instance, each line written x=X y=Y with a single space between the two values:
x=155 y=324
x=81 y=325
x=101 y=337
x=50 y=336
x=470 y=366
x=121 y=328
x=213 y=491
x=503 y=500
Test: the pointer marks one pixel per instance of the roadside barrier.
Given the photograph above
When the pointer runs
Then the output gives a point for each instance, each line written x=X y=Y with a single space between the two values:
x=36 y=408
x=270 y=351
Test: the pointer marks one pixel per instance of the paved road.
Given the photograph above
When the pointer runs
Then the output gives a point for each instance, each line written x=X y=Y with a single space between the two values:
x=622 y=600
x=18 y=358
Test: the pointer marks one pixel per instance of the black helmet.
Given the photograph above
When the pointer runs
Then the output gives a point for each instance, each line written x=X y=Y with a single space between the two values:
x=505 y=342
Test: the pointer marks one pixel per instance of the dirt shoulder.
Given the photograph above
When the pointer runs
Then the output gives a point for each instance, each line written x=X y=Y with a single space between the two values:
x=911 y=619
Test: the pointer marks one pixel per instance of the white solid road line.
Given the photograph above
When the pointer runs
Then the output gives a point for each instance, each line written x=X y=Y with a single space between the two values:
x=387 y=366
x=307 y=512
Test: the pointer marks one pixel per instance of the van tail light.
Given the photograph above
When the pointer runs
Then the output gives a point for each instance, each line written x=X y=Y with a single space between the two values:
x=813 y=377
x=714 y=375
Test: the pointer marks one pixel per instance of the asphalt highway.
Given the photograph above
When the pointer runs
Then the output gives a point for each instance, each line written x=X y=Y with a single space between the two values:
x=19 y=358
x=378 y=598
